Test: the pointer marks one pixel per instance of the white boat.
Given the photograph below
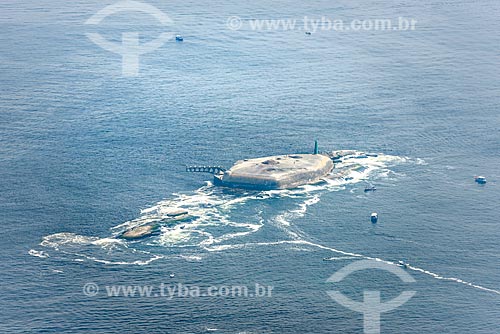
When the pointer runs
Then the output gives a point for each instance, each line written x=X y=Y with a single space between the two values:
x=480 y=179
x=403 y=264
x=370 y=188
x=374 y=217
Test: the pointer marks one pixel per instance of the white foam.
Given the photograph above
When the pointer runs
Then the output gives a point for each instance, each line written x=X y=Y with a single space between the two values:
x=40 y=254
x=136 y=263
x=453 y=279
x=434 y=275
x=350 y=255
x=352 y=170
x=106 y=242
x=212 y=208
x=196 y=258
x=339 y=258
x=420 y=161
x=58 y=239
x=219 y=248
x=74 y=245
x=301 y=211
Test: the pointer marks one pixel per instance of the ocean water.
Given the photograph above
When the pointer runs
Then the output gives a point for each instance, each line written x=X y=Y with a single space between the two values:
x=86 y=153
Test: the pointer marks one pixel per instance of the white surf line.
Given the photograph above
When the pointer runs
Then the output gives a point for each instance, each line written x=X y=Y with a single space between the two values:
x=338 y=258
x=218 y=248
x=434 y=275
x=454 y=279
x=103 y=243
x=40 y=254
x=353 y=255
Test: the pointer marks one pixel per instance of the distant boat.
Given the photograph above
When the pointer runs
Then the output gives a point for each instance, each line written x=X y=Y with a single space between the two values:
x=308 y=33
x=403 y=264
x=179 y=38
x=374 y=217
x=480 y=179
x=370 y=188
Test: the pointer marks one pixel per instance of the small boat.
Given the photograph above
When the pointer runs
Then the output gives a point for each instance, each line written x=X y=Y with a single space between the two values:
x=308 y=33
x=480 y=179
x=179 y=38
x=370 y=188
x=403 y=264
x=172 y=275
x=374 y=217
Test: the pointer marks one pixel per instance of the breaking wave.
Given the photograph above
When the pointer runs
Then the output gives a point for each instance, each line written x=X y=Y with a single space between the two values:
x=213 y=225
x=213 y=222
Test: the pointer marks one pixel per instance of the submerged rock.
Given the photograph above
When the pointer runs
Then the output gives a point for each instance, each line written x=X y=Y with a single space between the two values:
x=139 y=232
x=176 y=212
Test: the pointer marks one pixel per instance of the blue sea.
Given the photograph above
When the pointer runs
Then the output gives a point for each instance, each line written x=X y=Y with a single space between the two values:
x=87 y=153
